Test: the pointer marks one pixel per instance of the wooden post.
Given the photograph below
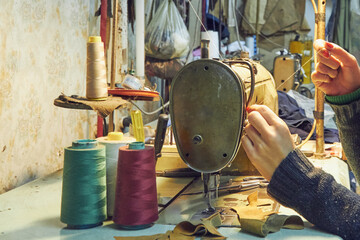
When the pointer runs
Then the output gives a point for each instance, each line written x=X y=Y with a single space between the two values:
x=114 y=38
x=113 y=59
x=319 y=95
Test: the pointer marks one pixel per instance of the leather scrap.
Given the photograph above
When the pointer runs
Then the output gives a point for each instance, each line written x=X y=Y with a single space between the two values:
x=186 y=230
x=206 y=229
x=160 y=236
x=258 y=222
x=103 y=108
x=252 y=211
x=271 y=224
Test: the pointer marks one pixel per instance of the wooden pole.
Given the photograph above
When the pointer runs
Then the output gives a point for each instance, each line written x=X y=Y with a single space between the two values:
x=319 y=95
x=113 y=59
x=114 y=38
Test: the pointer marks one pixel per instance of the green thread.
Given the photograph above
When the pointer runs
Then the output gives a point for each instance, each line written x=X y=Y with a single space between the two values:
x=84 y=143
x=83 y=199
x=137 y=145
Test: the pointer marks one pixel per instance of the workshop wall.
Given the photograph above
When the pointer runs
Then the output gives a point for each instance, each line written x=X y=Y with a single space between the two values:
x=42 y=54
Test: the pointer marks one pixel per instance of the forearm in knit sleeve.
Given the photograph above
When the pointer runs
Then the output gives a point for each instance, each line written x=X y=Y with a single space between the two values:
x=348 y=123
x=314 y=194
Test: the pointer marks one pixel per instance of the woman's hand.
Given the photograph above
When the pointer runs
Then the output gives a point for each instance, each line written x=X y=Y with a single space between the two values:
x=267 y=139
x=337 y=71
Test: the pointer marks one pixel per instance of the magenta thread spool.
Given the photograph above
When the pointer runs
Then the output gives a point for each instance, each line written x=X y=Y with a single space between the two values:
x=136 y=196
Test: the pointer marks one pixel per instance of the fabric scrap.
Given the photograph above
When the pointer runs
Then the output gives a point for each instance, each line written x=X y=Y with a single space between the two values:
x=103 y=108
x=188 y=231
x=258 y=222
x=207 y=227
x=251 y=211
x=160 y=236
x=273 y=223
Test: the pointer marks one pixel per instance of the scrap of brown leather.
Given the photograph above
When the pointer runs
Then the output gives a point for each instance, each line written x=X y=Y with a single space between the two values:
x=186 y=230
x=258 y=222
x=103 y=108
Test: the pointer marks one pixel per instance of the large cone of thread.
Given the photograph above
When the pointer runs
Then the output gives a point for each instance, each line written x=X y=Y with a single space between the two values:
x=112 y=142
x=83 y=200
x=96 y=77
x=136 y=196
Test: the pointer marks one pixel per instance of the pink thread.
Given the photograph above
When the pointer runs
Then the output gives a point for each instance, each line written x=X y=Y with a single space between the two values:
x=136 y=195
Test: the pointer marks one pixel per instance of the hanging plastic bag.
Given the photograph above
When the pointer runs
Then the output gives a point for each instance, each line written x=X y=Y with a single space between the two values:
x=166 y=35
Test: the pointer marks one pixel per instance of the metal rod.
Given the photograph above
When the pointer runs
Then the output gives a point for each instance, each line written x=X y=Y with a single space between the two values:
x=220 y=22
x=207 y=192
x=205 y=48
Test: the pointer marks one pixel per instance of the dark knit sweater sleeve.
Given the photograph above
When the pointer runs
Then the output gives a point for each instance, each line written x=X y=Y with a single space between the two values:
x=314 y=194
x=348 y=123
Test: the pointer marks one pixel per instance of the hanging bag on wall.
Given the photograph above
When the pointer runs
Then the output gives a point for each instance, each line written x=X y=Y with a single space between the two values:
x=166 y=35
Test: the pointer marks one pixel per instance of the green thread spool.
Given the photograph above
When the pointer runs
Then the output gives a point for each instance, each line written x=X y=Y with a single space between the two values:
x=83 y=201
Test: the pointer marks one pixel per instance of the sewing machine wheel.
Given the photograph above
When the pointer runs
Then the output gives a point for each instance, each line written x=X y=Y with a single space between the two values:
x=207 y=109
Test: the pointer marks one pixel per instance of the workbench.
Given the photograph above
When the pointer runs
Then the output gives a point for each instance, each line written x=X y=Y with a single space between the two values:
x=32 y=211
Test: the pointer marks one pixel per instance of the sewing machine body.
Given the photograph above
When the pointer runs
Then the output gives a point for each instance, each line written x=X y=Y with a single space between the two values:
x=208 y=101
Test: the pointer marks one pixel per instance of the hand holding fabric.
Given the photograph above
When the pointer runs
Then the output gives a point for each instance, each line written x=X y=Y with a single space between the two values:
x=337 y=71
x=267 y=139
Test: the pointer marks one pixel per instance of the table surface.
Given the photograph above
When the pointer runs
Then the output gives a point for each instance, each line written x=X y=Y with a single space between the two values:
x=32 y=211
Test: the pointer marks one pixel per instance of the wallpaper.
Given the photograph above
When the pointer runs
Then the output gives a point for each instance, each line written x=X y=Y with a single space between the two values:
x=42 y=54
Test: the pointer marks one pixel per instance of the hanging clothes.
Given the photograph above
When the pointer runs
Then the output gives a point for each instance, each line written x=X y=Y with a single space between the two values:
x=343 y=26
x=274 y=16
x=294 y=116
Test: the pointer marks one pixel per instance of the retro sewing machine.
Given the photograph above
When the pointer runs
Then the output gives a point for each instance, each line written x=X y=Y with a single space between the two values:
x=208 y=101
